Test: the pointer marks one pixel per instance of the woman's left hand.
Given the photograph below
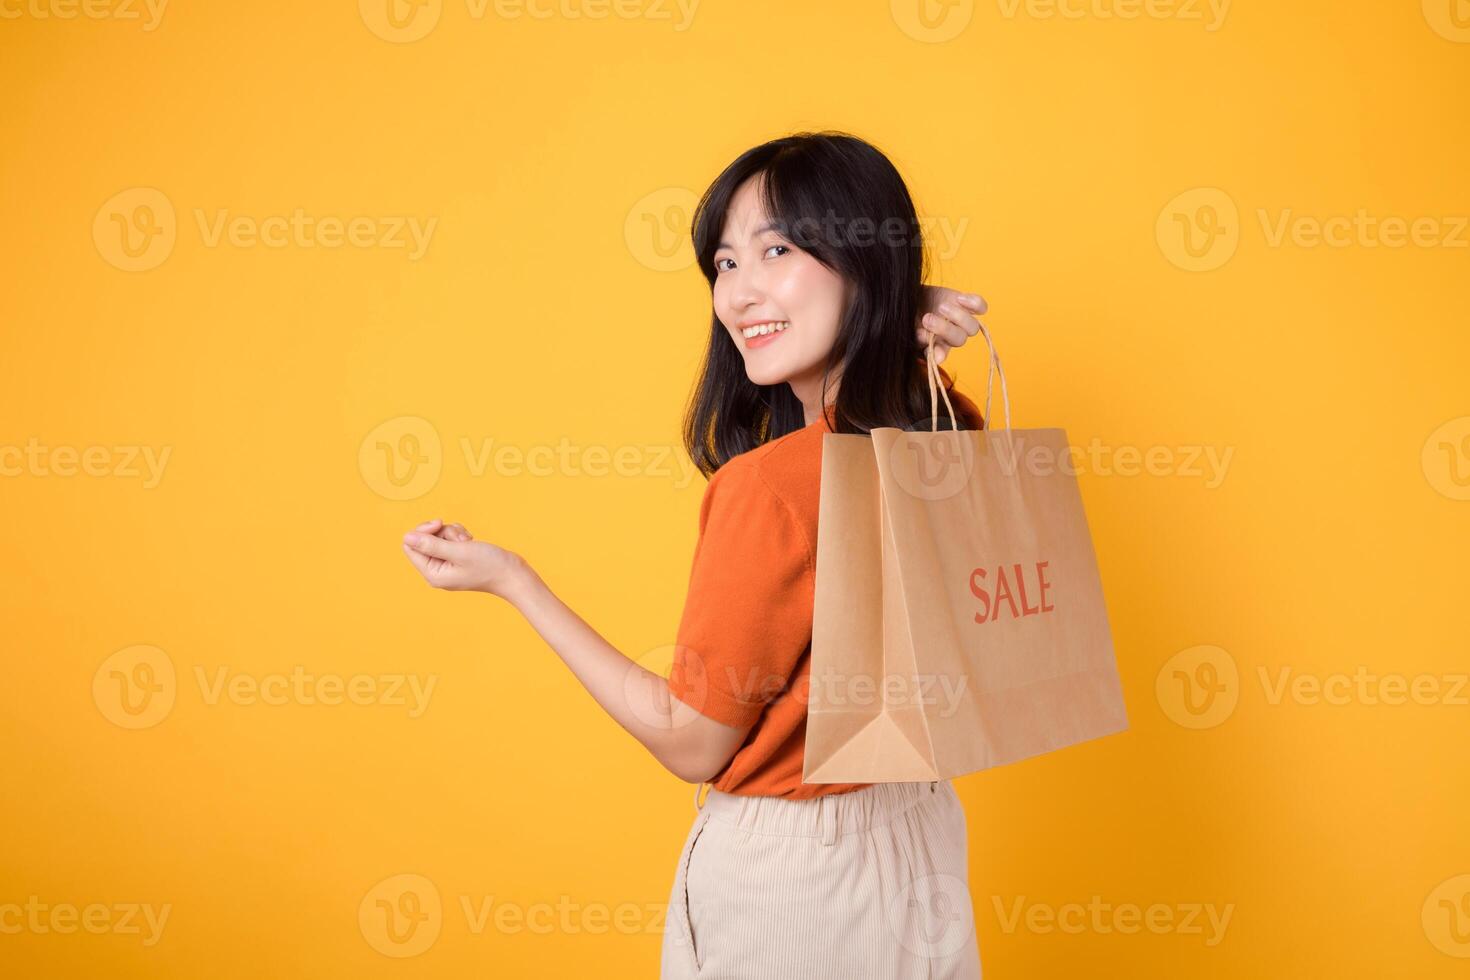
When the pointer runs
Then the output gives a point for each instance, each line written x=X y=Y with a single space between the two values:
x=448 y=557
x=949 y=315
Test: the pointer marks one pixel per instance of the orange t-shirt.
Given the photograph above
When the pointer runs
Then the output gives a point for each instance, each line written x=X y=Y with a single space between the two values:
x=743 y=653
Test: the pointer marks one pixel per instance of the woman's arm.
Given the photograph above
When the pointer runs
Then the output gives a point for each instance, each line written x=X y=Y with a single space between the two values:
x=687 y=742
x=690 y=745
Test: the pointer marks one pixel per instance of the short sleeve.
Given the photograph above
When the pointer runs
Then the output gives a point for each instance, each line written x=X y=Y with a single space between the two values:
x=748 y=616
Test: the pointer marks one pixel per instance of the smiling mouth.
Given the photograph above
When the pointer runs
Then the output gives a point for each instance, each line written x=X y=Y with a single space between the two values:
x=761 y=329
x=764 y=333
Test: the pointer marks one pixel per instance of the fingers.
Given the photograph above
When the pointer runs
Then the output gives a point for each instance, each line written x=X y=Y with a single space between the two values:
x=935 y=296
x=952 y=324
x=950 y=315
x=436 y=547
x=419 y=559
x=973 y=302
x=943 y=330
x=941 y=348
x=450 y=532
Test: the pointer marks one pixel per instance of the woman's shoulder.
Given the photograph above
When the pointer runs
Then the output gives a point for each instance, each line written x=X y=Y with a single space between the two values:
x=786 y=463
x=777 y=482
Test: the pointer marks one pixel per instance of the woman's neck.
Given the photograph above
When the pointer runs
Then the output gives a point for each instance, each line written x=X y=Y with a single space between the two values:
x=809 y=393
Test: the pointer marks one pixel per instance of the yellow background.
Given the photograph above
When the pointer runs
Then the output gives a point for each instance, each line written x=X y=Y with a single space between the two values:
x=546 y=148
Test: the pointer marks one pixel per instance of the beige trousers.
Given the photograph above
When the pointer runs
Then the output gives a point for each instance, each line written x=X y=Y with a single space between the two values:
x=868 y=884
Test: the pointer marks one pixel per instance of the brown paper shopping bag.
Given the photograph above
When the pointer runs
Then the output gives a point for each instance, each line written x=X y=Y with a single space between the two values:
x=959 y=621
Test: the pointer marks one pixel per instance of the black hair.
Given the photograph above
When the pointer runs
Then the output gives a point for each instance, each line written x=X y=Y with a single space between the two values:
x=841 y=200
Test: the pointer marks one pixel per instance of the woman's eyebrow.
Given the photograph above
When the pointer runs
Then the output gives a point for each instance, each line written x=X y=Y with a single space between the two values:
x=768 y=226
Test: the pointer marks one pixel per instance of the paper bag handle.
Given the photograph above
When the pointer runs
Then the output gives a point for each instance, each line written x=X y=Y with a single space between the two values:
x=934 y=383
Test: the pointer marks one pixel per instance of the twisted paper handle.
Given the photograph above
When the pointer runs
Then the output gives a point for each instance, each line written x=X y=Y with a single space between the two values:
x=934 y=383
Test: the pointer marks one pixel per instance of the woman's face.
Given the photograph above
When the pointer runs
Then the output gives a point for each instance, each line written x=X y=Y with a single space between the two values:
x=763 y=279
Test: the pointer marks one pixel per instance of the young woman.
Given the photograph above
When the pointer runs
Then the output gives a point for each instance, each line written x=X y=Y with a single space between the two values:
x=815 y=260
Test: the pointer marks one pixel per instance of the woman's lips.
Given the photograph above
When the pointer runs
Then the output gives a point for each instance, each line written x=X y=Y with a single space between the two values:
x=761 y=340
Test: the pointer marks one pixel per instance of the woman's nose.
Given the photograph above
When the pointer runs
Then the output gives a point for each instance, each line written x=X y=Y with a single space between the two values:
x=747 y=291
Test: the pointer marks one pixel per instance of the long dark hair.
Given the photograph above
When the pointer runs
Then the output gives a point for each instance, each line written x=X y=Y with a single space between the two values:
x=838 y=198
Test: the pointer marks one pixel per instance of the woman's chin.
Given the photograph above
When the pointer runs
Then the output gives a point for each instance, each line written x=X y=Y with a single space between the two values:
x=766 y=374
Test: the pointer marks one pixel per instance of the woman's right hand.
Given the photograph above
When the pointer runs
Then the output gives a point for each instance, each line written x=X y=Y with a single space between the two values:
x=449 y=558
x=950 y=317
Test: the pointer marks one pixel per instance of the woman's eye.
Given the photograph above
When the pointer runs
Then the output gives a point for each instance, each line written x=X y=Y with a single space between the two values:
x=720 y=263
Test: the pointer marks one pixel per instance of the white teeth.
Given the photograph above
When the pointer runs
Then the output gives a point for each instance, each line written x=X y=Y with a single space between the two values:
x=764 y=328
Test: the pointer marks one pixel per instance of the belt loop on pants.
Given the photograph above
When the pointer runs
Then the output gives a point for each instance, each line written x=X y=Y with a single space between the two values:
x=827 y=814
